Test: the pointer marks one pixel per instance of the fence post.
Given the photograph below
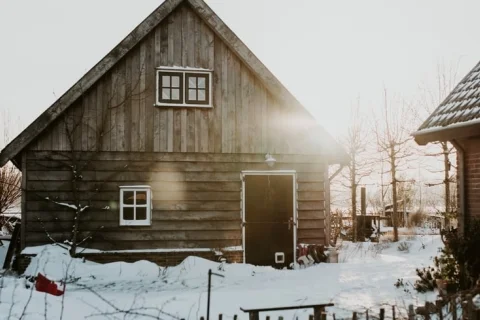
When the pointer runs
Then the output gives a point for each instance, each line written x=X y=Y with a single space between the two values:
x=366 y=314
x=382 y=314
x=354 y=316
x=235 y=317
x=220 y=316
x=438 y=304
x=393 y=312
x=324 y=316
x=453 y=308
x=268 y=318
x=470 y=310
x=411 y=312
x=310 y=317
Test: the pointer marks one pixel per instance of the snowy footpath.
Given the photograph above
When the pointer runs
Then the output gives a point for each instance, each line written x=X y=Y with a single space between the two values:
x=363 y=278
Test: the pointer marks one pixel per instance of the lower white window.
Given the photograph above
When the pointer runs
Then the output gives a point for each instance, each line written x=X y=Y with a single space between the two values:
x=135 y=206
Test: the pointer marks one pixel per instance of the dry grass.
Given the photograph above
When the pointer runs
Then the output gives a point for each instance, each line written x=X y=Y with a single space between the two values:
x=404 y=234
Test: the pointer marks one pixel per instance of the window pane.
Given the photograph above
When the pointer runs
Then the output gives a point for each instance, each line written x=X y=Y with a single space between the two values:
x=201 y=83
x=141 y=197
x=175 y=94
x=128 y=197
x=192 y=82
x=141 y=213
x=128 y=213
x=192 y=94
x=166 y=94
x=201 y=95
x=165 y=81
x=175 y=81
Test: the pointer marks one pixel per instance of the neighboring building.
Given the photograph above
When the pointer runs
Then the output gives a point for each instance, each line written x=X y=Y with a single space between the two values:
x=457 y=120
x=182 y=142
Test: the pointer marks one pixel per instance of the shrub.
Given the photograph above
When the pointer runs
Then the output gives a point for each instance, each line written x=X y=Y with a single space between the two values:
x=417 y=219
x=459 y=262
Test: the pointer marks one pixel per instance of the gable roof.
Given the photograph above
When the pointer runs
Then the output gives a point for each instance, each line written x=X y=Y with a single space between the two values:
x=457 y=115
x=272 y=84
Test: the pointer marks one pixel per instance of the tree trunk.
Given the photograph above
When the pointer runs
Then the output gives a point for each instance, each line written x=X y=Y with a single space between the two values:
x=394 y=194
x=354 y=199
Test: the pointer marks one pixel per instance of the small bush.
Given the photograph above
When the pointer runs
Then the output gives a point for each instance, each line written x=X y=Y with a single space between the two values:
x=404 y=246
x=417 y=219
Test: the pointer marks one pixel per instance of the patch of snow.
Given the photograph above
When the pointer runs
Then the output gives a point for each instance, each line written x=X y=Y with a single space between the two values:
x=476 y=301
x=3 y=251
x=364 y=279
x=234 y=248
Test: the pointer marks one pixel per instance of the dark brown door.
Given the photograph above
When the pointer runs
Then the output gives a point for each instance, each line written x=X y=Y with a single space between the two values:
x=268 y=218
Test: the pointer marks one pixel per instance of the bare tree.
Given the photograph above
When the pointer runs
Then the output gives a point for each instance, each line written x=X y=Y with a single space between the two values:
x=356 y=143
x=394 y=143
x=443 y=151
x=76 y=162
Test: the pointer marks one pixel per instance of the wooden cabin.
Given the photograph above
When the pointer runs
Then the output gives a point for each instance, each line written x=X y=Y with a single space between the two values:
x=457 y=120
x=178 y=142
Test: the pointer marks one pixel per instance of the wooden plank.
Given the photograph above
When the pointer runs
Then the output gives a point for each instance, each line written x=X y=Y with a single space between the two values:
x=23 y=200
x=100 y=216
x=183 y=205
x=204 y=157
x=114 y=102
x=120 y=107
x=311 y=205
x=142 y=97
x=106 y=103
x=92 y=119
x=248 y=118
x=311 y=186
x=310 y=233
x=100 y=128
x=311 y=214
x=217 y=97
x=311 y=196
x=57 y=186
x=135 y=105
x=227 y=124
x=127 y=120
x=146 y=236
x=310 y=177
x=150 y=80
x=177 y=130
x=306 y=224
x=173 y=166
x=145 y=244
x=115 y=195
x=109 y=226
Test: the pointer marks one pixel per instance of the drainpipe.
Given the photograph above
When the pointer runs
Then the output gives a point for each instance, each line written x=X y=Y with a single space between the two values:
x=461 y=187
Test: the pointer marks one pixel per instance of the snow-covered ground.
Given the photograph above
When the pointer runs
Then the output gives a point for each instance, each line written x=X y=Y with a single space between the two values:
x=364 y=278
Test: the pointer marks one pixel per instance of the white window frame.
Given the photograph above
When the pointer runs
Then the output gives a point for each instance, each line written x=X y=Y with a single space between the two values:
x=184 y=71
x=148 y=206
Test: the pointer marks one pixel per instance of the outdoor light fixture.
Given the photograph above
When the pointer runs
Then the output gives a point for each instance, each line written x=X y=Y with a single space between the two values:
x=270 y=160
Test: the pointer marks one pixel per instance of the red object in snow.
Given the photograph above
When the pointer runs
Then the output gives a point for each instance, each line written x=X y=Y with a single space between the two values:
x=43 y=284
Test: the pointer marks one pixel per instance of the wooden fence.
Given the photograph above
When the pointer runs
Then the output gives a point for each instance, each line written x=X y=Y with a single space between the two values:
x=453 y=309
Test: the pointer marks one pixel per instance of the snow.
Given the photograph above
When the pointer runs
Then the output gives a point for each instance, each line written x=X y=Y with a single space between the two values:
x=3 y=251
x=364 y=278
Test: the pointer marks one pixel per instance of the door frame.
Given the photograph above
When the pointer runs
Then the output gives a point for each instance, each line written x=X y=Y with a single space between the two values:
x=292 y=173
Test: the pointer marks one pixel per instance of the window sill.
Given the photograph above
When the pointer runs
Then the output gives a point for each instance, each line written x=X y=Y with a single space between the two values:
x=173 y=105
x=135 y=223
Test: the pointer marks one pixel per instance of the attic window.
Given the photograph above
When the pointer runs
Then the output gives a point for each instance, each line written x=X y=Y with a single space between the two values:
x=184 y=87
x=135 y=206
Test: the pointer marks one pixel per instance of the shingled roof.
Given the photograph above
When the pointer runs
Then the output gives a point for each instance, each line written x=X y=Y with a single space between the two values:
x=457 y=113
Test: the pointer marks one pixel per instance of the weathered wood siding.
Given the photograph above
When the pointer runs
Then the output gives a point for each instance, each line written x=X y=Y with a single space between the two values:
x=196 y=198
x=118 y=112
